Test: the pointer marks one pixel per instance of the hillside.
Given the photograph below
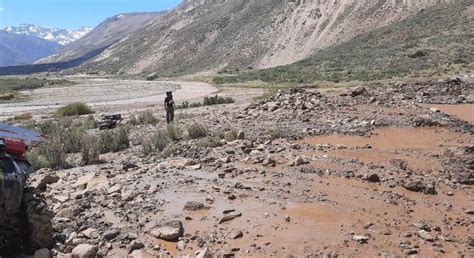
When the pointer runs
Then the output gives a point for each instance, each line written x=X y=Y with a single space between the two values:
x=18 y=49
x=211 y=35
x=106 y=33
x=436 y=41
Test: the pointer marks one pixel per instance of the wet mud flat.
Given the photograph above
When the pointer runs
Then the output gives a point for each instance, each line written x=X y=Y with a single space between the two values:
x=354 y=172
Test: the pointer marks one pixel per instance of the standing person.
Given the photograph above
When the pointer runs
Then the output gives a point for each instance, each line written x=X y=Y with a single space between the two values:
x=169 y=107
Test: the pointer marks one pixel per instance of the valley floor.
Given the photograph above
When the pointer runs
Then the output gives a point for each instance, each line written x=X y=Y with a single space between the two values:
x=350 y=172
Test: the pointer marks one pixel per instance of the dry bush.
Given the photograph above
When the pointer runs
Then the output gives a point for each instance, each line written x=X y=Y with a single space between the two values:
x=114 y=140
x=74 y=109
x=156 y=143
x=197 y=130
x=90 y=150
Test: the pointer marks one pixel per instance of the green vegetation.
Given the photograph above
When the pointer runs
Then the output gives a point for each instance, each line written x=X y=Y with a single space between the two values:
x=89 y=150
x=197 y=130
x=442 y=35
x=208 y=101
x=156 y=143
x=114 y=140
x=66 y=136
x=74 y=109
x=19 y=84
x=146 y=117
x=216 y=100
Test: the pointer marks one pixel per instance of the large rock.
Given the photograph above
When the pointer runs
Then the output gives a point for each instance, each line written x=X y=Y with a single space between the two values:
x=42 y=182
x=171 y=230
x=84 y=251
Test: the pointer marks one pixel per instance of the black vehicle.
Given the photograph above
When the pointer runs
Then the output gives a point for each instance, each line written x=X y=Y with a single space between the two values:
x=23 y=214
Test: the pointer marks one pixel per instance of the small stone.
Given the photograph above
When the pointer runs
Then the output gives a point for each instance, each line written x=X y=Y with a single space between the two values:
x=236 y=234
x=470 y=212
x=181 y=245
x=287 y=218
x=84 y=251
x=170 y=231
x=240 y=135
x=373 y=178
x=205 y=253
x=193 y=206
x=426 y=235
x=135 y=245
x=360 y=239
x=129 y=196
x=111 y=234
x=229 y=217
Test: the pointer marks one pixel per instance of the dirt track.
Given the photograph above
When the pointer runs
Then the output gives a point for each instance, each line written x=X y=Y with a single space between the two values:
x=105 y=93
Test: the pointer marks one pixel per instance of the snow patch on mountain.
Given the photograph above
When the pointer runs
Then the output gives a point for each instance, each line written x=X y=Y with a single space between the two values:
x=60 y=36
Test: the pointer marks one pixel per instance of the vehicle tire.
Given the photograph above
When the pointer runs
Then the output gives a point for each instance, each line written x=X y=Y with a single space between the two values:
x=39 y=220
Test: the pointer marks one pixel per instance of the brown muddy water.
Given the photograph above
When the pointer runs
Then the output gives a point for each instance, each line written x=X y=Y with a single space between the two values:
x=463 y=111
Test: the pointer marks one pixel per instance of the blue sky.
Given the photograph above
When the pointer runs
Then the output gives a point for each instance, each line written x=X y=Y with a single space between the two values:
x=72 y=14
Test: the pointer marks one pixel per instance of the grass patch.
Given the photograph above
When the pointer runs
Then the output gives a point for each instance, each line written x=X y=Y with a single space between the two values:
x=156 y=143
x=196 y=131
x=114 y=140
x=443 y=32
x=18 y=84
x=74 y=109
x=146 y=117
x=89 y=150
x=208 y=101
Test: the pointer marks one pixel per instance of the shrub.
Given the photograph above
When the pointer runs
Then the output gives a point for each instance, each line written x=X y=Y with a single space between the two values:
x=215 y=100
x=89 y=150
x=232 y=135
x=89 y=123
x=36 y=159
x=186 y=105
x=114 y=140
x=23 y=116
x=54 y=155
x=71 y=139
x=196 y=131
x=146 y=117
x=156 y=143
x=174 y=132
x=74 y=109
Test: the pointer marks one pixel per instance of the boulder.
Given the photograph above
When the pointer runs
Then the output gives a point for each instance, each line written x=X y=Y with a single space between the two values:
x=48 y=179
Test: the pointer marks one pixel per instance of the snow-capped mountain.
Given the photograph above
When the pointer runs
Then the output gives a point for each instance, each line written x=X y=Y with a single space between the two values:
x=60 y=36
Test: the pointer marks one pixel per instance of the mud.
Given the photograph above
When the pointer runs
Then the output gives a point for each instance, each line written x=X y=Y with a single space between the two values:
x=463 y=111
x=321 y=172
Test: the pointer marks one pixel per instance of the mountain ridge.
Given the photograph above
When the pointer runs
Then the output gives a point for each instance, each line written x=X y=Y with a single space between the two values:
x=60 y=36
x=212 y=35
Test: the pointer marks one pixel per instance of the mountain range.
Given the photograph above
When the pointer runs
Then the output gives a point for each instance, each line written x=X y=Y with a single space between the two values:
x=218 y=36
x=27 y=43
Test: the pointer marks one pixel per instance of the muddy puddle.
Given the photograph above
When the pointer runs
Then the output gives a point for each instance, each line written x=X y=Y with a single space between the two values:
x=463 y=111
x=398 y=138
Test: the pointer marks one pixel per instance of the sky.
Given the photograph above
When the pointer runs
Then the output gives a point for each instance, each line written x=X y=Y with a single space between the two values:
x=72 y=14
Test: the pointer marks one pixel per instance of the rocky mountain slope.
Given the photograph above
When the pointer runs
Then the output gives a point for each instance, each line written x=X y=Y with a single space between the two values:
x=436 y=41
x=18 y=49
x=60 y=36
x=108 y=32
x=213 y=34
